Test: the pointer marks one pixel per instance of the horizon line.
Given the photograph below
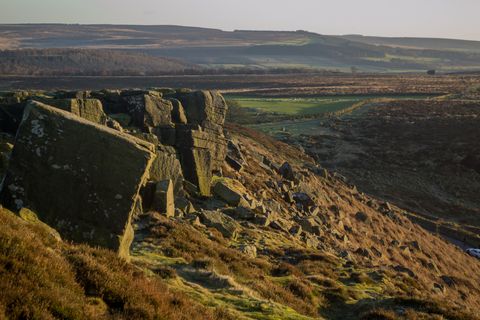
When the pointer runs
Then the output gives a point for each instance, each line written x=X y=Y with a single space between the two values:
x=235 y=30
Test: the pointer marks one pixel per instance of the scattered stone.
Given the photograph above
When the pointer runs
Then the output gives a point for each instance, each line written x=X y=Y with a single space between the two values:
x=178 y=213
x=228 y=227
x=363 y=252
x=304 y=200
x=235 y=164
x=184 y=205
x=449 y=281
x=362 y=216
x=288 y=197
x=228 y=193
x=286 y=171
x=405 y=250
x=295 y=230
x=265 y=219
x=394 y=243
x=194 y=220
x=281 y=224
x=240 y=213
x=270 y=164
x=235 y=157
x=406 y=270
x=310 y=225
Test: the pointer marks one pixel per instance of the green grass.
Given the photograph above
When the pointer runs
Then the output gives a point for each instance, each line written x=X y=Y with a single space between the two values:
x=298 y=106
x=295 y=116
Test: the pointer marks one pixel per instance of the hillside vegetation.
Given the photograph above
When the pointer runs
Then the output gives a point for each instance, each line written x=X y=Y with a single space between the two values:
x=257 y=50
x=87 y=62
x=42 y=277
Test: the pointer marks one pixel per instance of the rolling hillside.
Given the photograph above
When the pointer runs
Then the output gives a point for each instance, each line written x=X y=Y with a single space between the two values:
x=257 y=50
x=91 y=62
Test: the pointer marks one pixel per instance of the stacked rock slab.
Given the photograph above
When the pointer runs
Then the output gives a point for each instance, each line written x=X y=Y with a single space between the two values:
x=149 y=110
x=81 y=178
x=89 y=109
x=207 y=109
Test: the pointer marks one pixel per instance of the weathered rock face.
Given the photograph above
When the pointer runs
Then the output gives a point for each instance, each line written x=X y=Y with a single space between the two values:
x=178 y=113
x=149 y=111
x=227 y=193
x=81 y=178
x=207 y=109
x=89 y=109
x=67 y=168
x=167 y=166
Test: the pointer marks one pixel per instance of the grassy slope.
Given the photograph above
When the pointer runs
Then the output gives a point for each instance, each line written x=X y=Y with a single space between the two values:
x=41 y=278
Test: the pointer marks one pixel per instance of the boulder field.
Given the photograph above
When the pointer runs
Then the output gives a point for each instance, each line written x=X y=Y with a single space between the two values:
x=89 y=162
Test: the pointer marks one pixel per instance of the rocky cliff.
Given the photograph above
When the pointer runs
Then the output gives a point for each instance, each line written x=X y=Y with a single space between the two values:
x=89 y=162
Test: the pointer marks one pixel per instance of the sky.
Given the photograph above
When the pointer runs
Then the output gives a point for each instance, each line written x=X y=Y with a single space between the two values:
x=414 y=18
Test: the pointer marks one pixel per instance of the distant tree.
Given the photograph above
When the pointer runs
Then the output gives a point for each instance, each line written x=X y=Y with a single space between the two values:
x=354 y=69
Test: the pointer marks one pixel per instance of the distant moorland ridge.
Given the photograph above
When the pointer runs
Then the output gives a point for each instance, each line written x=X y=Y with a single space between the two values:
x=258 y=50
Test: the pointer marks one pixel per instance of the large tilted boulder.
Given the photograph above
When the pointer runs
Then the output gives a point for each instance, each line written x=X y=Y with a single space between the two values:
x=81 y=178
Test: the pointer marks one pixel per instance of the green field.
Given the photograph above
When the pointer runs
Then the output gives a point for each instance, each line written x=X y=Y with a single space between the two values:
x=294 y=116
x=297 y=106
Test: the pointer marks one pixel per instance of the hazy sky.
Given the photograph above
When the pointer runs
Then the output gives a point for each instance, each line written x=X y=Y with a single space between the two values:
x=428 y=18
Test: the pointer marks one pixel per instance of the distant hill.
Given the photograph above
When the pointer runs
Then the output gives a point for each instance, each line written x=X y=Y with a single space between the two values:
x=85 y=62
x=418 y=43
x=260 y=50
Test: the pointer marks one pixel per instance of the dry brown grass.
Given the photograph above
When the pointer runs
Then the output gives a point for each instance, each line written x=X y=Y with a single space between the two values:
x=41 y=278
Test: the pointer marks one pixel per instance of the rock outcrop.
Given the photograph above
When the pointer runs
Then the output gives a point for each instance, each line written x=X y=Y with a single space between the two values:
x=79 y=177
x=105 y=156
